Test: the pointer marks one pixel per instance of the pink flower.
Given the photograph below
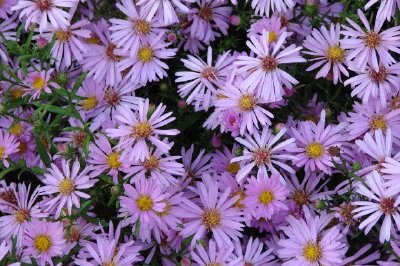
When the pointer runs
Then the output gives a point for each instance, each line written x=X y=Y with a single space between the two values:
x=39 y=82
x=135 y=129
x=325 y=47
x=41 y=11
x=43 y=241
x=262 y=70
x=8 y=147
x=66 y=183
x=264 y=196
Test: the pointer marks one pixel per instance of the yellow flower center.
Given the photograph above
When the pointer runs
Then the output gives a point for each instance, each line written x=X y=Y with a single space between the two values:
x=378 y=122
x=21 y=215
x=142 y=27
x=312 y=252
x=16 y=129
x=266 y=197
x=2 y=152
x=113 y=160
x=315 y=150
x=272 y=36
x=335 y=54
x=242 y=196
x=43 y=243
x=211 y=218
x=16 y=93
x=66 y=187
x=89 y=103
x=93 y=39
x=142 y=130
x=247 y=103
x=233 y=168
x=63 y=35
x=145 y=54
x=372 y=39
x=151 y=163
x=110 y=263
x=38 y=83
x=144 y=203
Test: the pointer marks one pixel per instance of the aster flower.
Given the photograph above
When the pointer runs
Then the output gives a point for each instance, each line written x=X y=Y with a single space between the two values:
x=162 y=169
x=268 y=7
x=195 y=166
x=273 y=25
x=163 y=10
x=376 y=84
x=101 y=60
x=43 y=241
x=38 y=82
x=104 y=158
x=147 y=65
x=262 y=71
x=390 y=167
x=383 y=200
x=386 y=10
x=7 y=196
x=215 y=214
x=253 y=253
x=246 y=103
x=77 y=232
x=216 y=255
x=68 y=45
x=207 y=17
x=7 y=30
x=371 y=117
x=19 y=211
x=142 y=203
x=324 y=46
x=66 y=183
x=43 y=11
x=137 y=30
x=317 y=144
x=92 y=94
x=264 y=151
x=365 y=47
x=8 y=147
x=136 y=129
x=310 y=241
x=221 y=161
x=5 y=8
x=264 y=196
x=203 y=79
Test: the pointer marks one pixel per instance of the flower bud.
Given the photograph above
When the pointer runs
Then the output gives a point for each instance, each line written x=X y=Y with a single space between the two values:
x=216 y=141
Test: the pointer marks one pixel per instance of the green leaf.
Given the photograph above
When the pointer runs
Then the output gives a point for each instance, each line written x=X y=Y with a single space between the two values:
x=78 y=83
x=8 y=170
x=56 y=109
x=42 y=151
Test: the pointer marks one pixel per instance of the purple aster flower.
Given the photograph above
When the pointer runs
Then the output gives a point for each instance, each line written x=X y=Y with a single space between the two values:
x=391 y=167
x=273 y=25
x=147 y=65
x=264 y=151
x=324 y=46
x=203 y=78
x=216 y=255
x=163 y=10
x=7 y=196
x=21 y=209
x=66 y=183
x=77 y=232
x=5 y=8
x=7 y=29
x=103 y=56
x=195 y=166
x=207 y=18
x=135 y=31
x=68 y=45
x=311 y=241
x=142 y=203
x=382 y=200
x=103 y=158
x=365 y=47
x=38 y=82
x=93 y=96
x=221 y=161
x=376 y=84
x=8 y=146
x=262 y=71
x=247 y=104
x=386 y=10
x=317 y=144
x=269 y=7
x=253 y=253
x=162 y=169
x=264 y=196
x=215 y=213
x=135 y=129
x=43 y=241
x=43 y=11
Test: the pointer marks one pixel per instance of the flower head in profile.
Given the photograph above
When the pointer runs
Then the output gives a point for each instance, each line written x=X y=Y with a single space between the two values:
x=66 y=184
x=136 y=129
x=262 y=70
x=43 y=240
x=44 y=11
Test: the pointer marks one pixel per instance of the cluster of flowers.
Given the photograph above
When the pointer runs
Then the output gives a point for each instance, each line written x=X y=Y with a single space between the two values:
x=79 y=134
